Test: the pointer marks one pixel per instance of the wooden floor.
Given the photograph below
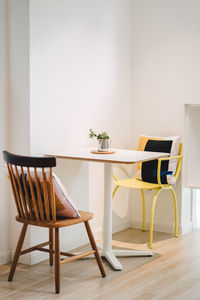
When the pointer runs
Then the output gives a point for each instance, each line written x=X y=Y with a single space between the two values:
x=173 y=273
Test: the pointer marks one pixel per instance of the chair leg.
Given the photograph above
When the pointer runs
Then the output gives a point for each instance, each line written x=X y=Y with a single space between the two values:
x=152 y=216
x=17 y=252
x=114 y=191
x=51 y=246
x=57 y=261
x=143 y=210
x=175 y=212
x=94 y=247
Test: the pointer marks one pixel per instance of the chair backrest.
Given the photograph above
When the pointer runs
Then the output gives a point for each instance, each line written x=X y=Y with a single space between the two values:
x=33 y=192
x=178 y=168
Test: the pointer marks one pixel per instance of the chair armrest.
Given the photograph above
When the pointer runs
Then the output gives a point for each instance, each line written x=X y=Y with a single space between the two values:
x=171 y=157
x=114 y=177
x=179 y=157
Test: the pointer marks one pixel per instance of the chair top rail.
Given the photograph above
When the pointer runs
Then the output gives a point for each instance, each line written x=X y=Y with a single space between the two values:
x=27 y=161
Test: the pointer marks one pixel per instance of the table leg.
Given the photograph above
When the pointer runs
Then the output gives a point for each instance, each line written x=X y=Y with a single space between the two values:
x=107 y=223
x=106 y=250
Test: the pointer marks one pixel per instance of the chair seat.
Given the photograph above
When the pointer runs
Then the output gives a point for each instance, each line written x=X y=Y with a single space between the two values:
x=138 y=184
x=84 y=216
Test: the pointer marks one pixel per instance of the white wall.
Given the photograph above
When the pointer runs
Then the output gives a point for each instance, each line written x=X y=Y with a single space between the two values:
x=125 y=66
x=18 y=104
x=19 y=114
x=4 y=203
x=80 y=78
x=80 y=71
x=14 y=108
x=166 y=74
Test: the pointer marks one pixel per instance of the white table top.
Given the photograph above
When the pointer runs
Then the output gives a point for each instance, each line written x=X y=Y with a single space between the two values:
x=120 y=156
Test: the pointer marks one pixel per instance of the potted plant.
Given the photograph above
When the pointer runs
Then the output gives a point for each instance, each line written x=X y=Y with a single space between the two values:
x=102 y=138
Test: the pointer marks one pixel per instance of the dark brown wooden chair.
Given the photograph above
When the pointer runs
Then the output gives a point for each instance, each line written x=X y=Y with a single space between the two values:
x=36 y=206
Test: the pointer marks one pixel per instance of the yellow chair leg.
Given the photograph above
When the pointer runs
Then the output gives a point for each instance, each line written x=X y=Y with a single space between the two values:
x=175 y=212
x=143 y=207
x=152 y=216
x=114 y=191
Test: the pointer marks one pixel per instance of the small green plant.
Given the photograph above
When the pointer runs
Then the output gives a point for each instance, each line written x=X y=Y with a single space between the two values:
x=99 y=136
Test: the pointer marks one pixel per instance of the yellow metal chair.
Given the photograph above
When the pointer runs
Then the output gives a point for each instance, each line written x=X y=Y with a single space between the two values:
x=158 y=187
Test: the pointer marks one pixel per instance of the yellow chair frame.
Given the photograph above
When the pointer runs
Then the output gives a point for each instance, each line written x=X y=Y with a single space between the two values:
x=139 y=184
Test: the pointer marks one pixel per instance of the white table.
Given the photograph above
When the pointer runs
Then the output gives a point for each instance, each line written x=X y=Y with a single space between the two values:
x=120 y=157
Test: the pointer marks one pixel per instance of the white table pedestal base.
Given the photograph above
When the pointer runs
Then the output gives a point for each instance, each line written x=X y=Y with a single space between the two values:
x=112 y=259
x=106 y=250
x=132 y=253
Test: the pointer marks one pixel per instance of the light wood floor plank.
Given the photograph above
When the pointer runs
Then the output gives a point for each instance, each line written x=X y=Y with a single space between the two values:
x=173 y=273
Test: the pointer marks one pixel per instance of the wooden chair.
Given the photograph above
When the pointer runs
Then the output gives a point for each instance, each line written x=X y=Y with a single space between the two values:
x=36 y=206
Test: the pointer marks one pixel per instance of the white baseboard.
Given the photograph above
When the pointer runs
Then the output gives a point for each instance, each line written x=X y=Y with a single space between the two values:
x=24 y=259
x=185 y=228
x=37 y=256
x=5 y=257
x=98 y=233
x=160 y=227
x=123 y=224
x=163 y=227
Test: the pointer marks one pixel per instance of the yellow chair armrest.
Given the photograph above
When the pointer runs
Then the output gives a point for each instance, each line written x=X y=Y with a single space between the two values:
x=171 y=157
x=179 y=157
x=114 y=177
